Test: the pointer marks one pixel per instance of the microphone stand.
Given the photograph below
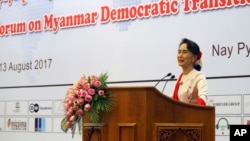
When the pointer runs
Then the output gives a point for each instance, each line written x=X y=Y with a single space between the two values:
x=172 y=77
x=162 y=79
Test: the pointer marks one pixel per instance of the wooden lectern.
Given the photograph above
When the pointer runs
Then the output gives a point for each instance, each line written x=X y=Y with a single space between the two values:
x=145 y=114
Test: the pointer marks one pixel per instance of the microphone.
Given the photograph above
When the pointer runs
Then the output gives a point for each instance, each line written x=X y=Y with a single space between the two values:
x=172 y=77
x=163 y=78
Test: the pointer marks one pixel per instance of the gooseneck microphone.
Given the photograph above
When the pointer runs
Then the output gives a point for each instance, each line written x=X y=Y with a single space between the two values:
x=172 y=77
x=169 y=74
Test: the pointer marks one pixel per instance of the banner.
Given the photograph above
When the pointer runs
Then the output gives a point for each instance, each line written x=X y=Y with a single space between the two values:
x=128 y=39
x=47 y=43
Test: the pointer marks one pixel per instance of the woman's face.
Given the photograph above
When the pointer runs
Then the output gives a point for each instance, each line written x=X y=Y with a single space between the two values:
x=184 y=57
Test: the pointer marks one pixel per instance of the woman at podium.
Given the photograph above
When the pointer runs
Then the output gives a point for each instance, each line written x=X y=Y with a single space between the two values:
x=191 y=85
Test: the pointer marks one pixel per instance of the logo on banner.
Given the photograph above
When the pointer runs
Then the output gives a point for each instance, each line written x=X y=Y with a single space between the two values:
x=248 y=122
x=59 y=109
x=34 y=108
x=40 y=124
x=211 y=102
x=17 y=125
x=17 y=107
x=222 y=125
x=1 y=124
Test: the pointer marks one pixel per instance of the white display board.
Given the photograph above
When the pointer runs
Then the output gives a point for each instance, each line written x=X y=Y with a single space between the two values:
x=48 y=43
x=128 y=48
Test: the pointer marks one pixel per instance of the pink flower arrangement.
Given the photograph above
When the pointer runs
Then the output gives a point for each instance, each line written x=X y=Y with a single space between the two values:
x=86 y=97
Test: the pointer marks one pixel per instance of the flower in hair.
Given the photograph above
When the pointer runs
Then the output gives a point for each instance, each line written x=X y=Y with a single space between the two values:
x=199 y=56
x=198 y=60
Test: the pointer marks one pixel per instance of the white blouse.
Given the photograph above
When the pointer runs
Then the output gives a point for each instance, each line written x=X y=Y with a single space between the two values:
x=193 y=86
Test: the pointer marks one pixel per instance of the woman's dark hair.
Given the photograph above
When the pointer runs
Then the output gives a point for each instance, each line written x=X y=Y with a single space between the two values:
x=193 y=48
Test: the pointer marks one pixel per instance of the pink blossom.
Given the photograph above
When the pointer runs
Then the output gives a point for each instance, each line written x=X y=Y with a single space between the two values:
x=69 y=114
x=75 y=107
x=83 y=80
x=91 y=91
x=75 y=92
x=80 y=101
x=72 y=96
x=87 y=107
x=83 y=93
x=78 y=93
x=101 y=92
x=80 y=112
x=86 y=86
x=97 y=83
x=92 y=82
x=71 y=109
x=72 y=118
x=70 y=103
x=88 y=98
x=65 y=106
x=78 y=85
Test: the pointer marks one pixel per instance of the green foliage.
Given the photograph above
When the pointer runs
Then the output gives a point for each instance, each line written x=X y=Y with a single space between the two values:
x=101 y=104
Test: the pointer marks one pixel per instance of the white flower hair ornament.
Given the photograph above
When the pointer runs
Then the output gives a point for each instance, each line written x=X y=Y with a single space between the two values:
x=198 y=60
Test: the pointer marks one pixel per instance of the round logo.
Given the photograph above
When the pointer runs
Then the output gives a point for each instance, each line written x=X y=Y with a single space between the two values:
x=34 y=108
